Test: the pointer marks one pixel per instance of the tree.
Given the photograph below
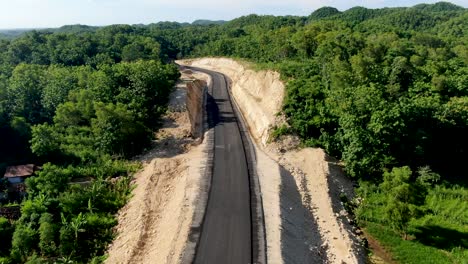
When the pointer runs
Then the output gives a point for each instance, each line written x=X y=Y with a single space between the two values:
x=25 y=90
x=78 y=111
x=141 y=48
x=117 y=131
x=6 y=234
x=24 y=242
x=19 y=51
x=47 y=235
x=60 y=81
x=403 y=198
x=50 y=181
x=70 y=230
x=102 y=84
x=45 y=140
x=76 y=225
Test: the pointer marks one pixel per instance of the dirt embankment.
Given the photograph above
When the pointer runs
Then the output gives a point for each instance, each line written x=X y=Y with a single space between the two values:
x=154 y=226
x=304 y=218
x=260 y=102
x=194 y=102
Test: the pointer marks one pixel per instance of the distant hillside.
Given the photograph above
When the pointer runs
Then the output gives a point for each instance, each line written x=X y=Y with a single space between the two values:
x=324 y=12
x=439 y=7
x=203 y=22
x=74 y=29
x=13 y=33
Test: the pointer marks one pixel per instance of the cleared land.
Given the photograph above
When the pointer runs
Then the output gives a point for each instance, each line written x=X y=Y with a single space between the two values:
x=304 y=218
x=154 y=226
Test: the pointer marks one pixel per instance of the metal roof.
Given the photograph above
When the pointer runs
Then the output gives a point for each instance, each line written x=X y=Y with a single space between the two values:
x=20 y=171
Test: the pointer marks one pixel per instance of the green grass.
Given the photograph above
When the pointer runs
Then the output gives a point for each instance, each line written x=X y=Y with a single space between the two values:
x=278 y=132
x=406 y=251
x=440 y=235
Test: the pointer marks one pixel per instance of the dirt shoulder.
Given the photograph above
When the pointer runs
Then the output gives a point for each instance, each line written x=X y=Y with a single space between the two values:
x=305 y=221
x=154 y=226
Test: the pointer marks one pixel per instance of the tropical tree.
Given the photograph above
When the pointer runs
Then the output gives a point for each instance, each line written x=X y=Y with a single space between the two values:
x=403 y=198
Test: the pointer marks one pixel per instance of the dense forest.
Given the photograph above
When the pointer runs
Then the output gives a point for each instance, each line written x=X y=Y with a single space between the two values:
x=386 y=92
x=79 y=104
x=383 y=90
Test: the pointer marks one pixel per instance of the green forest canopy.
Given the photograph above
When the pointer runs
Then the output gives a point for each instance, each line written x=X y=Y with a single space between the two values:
x=377 y=88
x=79 y=102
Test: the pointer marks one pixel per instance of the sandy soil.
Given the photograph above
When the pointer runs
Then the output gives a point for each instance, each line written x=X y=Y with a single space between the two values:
x=260 y=102
x=154 y=226
x=291 y=232
x=320 y=186
x=304 y=219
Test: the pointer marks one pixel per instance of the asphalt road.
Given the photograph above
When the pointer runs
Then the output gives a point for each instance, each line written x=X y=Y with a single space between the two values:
x=226 y=235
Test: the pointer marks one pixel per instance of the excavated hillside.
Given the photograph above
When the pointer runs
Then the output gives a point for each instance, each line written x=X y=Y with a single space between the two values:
x=304 y=217
x=169 y=191
x=305 y=221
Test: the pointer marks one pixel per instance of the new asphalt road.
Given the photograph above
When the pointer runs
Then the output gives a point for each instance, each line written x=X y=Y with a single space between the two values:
x=226 y=235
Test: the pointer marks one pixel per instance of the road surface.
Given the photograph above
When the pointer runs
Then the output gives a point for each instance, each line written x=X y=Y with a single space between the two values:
x=226 y=234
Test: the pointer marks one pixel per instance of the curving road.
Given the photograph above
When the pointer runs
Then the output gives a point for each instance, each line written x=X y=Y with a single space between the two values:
x=226 y=234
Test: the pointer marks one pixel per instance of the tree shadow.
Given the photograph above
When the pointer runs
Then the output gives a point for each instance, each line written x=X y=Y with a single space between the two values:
x=339 y=185
x=212 y=111
x=216 y=117
x=341 y=191
x=441 y=237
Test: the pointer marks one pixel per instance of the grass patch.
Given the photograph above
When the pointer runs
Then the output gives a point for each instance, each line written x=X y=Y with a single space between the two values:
x=408 y=251
x=440 y=235
x=278 y=132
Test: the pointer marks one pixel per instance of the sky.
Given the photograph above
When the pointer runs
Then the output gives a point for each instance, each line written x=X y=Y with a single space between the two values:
x=56 y=13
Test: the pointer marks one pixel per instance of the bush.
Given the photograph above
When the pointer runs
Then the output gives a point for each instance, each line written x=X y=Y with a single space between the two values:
x=278 y=132
x=438 y=232
x=6 y=234
x=24 y=243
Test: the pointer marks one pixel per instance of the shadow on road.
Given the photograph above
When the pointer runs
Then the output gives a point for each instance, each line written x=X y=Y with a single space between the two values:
x=216 y=117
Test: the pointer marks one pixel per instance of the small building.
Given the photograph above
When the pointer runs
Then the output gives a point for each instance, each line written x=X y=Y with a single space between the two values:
x=18 y=174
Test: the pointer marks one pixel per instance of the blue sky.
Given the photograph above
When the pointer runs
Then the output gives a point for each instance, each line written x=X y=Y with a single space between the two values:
x=55 y=13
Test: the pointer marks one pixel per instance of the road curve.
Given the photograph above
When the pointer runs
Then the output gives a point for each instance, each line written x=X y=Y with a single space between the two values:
x=226 y=233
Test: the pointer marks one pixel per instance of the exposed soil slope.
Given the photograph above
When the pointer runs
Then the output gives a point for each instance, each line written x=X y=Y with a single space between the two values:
x=258 y=94
x=304 y=218
x=154 y=226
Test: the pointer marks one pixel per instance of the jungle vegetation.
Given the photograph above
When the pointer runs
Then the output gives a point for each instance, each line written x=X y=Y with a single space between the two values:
x=383 y=90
